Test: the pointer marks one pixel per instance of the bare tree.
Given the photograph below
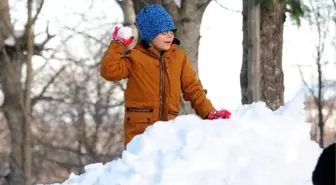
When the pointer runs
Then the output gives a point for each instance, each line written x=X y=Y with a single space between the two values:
x=81 y=120
x=74 y=115
x=261 y=73
x=85 y=111
x=13 y=58
x=321 y=20
x=262 y=77
x=271 y=39
x=17 y=49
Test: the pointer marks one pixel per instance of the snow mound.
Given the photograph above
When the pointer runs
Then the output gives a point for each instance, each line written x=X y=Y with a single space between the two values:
x=256 y=146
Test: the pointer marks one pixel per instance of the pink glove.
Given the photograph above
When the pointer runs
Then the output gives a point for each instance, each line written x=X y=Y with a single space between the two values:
x=223 y=114
x=123 y=35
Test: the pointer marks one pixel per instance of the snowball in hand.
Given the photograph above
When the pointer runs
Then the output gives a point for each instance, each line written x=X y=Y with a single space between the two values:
x=125 y=32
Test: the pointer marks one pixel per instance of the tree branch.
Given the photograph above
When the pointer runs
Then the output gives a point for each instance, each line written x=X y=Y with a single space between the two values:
x=35 y=99
x=87 y=35
x=41 y=46
x=66 y=165
x=226 y=8
x=96 y=156
x=38 y=11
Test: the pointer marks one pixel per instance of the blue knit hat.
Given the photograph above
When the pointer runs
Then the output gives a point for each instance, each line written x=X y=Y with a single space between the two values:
x=153 y=20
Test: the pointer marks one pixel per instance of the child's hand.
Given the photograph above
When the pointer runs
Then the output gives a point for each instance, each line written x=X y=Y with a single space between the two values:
x=123 y=35
x=223 y=114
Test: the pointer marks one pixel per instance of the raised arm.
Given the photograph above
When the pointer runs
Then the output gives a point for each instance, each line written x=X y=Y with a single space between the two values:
x=115 y=66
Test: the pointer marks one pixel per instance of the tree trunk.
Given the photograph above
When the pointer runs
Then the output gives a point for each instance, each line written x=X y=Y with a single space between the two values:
x=271 y=38
x=10 y=76
x=27 y=165
x=11 y=61
x=5 y=24
x=250 y=70
x=261 y=77
x=11 y=86
x=188 y=20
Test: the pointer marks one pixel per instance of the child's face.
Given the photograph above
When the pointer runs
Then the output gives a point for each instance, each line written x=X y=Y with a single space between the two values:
x=163 y=41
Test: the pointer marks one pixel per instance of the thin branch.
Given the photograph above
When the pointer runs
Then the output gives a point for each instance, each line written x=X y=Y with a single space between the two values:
x=38 y=11
x=52 y=56
x=62 y=100
x=87 y=35
x=50 y=98
x=305 y=82
x=66 y=165
x=49 y=37
x=35 y=99
x=69 y=149
x=226 y=8
x=52 y=146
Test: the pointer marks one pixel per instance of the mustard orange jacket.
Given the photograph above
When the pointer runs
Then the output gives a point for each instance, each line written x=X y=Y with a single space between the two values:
x=154 y=85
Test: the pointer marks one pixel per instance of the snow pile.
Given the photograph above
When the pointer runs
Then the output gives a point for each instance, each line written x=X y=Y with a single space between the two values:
x=255 y=147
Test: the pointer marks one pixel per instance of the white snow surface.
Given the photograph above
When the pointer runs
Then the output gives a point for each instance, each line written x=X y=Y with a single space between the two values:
x=256 y=146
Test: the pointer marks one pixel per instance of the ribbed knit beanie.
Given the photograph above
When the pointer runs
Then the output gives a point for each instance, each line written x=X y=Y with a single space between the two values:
x=153 y=20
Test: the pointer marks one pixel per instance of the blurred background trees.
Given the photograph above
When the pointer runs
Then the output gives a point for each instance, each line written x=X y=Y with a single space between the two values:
x=57 y=114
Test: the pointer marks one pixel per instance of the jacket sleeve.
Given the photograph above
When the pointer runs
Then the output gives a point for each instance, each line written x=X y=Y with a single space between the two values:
x=193 y=91
x=114 y=66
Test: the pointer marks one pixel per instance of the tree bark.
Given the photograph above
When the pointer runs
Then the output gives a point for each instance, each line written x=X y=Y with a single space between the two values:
x=27 y=104
x=5 y=24
x=188 y=20
x=271 y=40
x=14 y=106
x=11 y=86
x=261 y=77
x=250 y=70
x=245 y=99
x=10 y=76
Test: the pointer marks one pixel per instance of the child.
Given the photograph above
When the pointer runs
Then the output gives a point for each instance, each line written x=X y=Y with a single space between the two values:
x=324 y=172
x=157 y=72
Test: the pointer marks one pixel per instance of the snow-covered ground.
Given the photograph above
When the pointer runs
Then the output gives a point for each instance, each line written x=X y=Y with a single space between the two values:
x=255 y=147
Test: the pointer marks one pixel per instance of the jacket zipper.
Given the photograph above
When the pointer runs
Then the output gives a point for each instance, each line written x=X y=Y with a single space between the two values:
x=161 y=87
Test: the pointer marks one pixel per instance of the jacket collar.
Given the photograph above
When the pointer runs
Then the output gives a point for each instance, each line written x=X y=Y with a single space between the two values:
x=144 y=47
